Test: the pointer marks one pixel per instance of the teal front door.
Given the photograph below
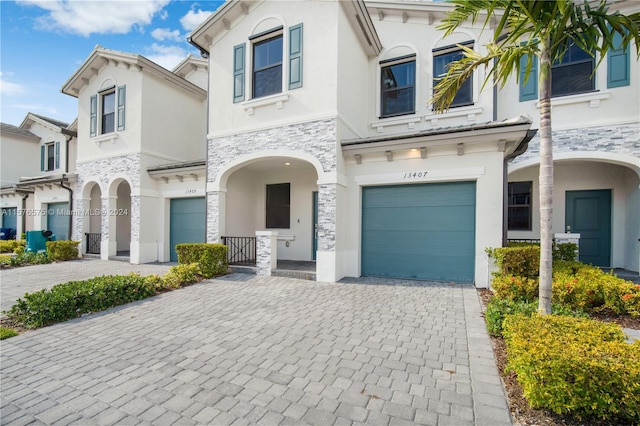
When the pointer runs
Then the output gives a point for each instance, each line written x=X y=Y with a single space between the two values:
x=187 y=218
x=58 y=220
x=421 y=231
x=588 y=213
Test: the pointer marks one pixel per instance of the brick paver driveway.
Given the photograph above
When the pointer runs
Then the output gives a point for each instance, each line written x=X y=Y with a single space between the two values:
x=252 y=350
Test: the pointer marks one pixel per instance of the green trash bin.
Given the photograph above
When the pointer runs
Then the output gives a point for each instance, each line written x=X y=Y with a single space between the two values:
x=37 y=241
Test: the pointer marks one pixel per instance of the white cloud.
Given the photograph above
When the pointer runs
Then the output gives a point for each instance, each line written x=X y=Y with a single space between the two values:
x=163 y=34
x=166 y=56
x=192 y=19
x=96 y=17
x=8 y=88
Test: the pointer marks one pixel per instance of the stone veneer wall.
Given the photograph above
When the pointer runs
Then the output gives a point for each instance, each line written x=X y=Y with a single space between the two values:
x=317 y=138
x=620 y=139
x=128 y=165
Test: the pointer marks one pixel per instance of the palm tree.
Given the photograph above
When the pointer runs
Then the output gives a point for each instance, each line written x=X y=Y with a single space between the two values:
x=525 y=29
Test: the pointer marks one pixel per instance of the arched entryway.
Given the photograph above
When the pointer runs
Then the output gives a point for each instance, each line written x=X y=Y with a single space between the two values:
x=595 y=194
x=92 y=218
x=118 y=213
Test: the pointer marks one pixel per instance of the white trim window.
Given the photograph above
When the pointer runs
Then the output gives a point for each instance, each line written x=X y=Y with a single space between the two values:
x=49 y=156
x=107 y=111
x=442 y=57
x=398 y=86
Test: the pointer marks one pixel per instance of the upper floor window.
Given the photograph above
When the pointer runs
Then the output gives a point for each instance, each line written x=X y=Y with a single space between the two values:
x=572 y=74
x=519 y=206
x=109 y=107
x=442 y=57
x=398 y=86
x=267 y=66
x=268 y=59
x=50 y=156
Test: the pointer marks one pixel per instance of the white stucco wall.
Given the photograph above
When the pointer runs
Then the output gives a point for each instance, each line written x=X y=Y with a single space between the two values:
x=19 y=157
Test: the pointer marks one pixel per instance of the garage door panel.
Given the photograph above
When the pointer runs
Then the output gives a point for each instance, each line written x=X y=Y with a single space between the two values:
x=424 y=231
x=420 y=218
x=186 y=223
x=58 y=220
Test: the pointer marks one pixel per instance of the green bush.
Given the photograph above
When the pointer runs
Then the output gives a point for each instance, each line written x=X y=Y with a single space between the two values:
x=181 y=275
x=211 y=257
x=62 y=250
x=522 y=261
x=24 y=258
x=498 y=309
x=575 y=365
x=75 y=298
x=515 y=288
x=565 y=251
x=6 y=332
x=10 y=246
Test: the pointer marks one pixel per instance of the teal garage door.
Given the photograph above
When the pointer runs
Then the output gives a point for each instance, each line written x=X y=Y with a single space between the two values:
x=58 y=220
x=186 y=223
x=421 y=231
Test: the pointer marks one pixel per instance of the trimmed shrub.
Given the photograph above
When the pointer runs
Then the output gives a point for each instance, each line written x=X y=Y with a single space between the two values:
x=75 y=298
x=521 y=261
x=6 y=332
x=575 y=365
x=565 y=251
x=24 y=258
x=515 y=288
x=181 y=275
x=10 y=246
x=62 y=250
x=211 y=257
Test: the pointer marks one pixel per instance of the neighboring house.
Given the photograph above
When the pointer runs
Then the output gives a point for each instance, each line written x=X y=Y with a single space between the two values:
x=38 y=159
x=141 y=155
x=321 y=141
x=596 y=149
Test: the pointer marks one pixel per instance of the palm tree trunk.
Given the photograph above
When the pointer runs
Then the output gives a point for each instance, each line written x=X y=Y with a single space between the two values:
x=546 y=180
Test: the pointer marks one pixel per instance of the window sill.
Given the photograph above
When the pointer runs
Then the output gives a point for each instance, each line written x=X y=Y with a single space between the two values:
x=469 y=111
x=592 y=98
x=108 y=137
x=409 y=119
x=277 y=100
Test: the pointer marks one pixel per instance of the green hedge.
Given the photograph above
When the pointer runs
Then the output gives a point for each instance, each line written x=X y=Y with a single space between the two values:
x=523 y=259
x=211 y=257
x=62 y=250
x=575 y=365
x=75 y=298
x=9 y=246
x=23 y=258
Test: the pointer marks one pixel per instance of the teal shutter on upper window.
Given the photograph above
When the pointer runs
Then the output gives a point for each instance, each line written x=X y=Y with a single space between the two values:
x=122 y=97
x=295 y=56
x=238 y=73
x=42 y=157
x=93 y=116
x=618 y=64
x=57 y=155
x=528 y=91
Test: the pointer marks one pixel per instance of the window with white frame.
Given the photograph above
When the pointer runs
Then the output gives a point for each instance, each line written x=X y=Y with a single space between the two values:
x=398 y=86
x=50 y=156
x=442 y=57
x=107 y=111
x=267 y=65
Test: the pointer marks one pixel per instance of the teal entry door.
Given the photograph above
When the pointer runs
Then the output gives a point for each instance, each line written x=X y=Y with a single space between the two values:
x=588 y=213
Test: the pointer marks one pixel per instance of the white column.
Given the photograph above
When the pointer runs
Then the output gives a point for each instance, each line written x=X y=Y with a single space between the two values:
x=266 y=251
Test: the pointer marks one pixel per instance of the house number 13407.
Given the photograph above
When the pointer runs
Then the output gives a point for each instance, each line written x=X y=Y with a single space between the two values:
x=413 y=175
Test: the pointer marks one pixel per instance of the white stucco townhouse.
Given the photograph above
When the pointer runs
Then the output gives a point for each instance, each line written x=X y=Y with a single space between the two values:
x=140 y=147
x=38 y=160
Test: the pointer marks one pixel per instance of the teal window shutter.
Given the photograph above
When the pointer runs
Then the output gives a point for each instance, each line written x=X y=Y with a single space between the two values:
x=57 y=155
x=93 y=116
x=618 y=64
x=295 y=56
x=238 y=72
x=122 y=95
x=528 y=91
x=42 y=157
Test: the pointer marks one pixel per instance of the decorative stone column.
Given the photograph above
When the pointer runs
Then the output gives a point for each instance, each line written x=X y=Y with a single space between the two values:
x=215 y=215
x=266 y=252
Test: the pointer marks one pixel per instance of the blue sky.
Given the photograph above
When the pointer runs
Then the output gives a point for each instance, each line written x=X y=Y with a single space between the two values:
x=42 y=42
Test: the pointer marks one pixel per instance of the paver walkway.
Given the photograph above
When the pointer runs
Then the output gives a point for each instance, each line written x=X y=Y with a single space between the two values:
x=15 y=282
x=244 y=349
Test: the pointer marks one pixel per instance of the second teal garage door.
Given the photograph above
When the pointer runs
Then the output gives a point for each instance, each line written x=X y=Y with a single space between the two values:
x=187 y=223
x=58 y=220
x=422 y=231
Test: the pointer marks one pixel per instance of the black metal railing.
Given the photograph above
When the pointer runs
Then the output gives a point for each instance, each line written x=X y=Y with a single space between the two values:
x=93 y=243
x=242 y=250
x=524 y=240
